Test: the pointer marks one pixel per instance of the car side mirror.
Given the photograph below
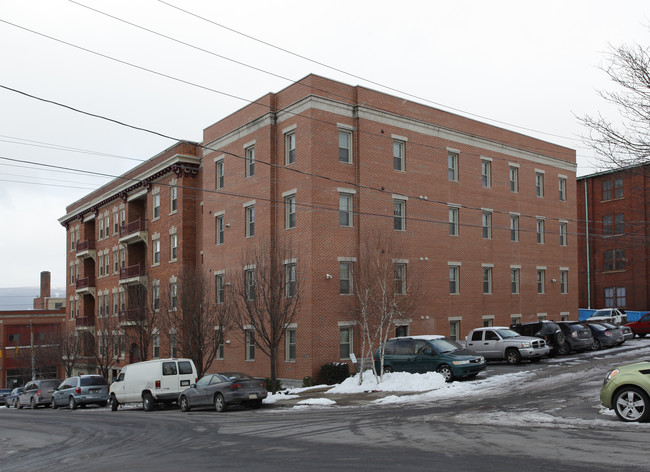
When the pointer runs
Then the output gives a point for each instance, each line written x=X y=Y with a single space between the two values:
x=193 y=386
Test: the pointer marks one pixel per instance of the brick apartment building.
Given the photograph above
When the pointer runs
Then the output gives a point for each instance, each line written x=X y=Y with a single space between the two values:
x=613 y=252
x=486 y=216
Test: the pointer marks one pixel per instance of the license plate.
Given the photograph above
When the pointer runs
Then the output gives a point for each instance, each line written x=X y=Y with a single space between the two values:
x=252 y=396
x=185 y=383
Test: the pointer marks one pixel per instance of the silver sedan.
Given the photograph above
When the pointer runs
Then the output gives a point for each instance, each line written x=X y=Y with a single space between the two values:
x=222 y=390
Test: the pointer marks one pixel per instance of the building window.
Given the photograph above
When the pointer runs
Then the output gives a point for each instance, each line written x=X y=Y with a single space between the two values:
x=514 y=280
x=290 y=212
x=486 y=173
x=218 y=229
x=607 y=225
x=487 y=322
x=540 y=231
x=173 y=345
x=345 y=278
x=101 y=265
x=116 y=305
x=156 y=206
x=173 y=198
x=563 y=234
x=219 y=174
x=615 y=297
x=345 y=146
x=346 y=202
x=116 y=224
x=100 y=307
x=173 y=295
x=452 y=166
x=453 y=221
x=116 y=261
x=155 y=293
x=514 y=179
x=345 y=343
x=250 y=161
x=101 y=229
x=619 y=223
x=564 y=281
x=250 y=345
x=614 y=260
x=618 y=187
x=609 y=296
x=250 y=284
x=541 y=281
x=250 y=221
x=219 y=288
x=290 y=280
x=122 y=258
x=156 y=251
x=399 y=215
x=290 y=148
x=219 y=342
x=398 y=155
x=107 y=263
x=290 y=347
x=487 y=280
x=607 y=189
x=173 y=243
x=562 y=189
x=400 y=279
x=156 y=346
x=539 y=184
x=454 y=329
x=486 y=223
x=620 y=297
x=454 y=279
x=122 y=218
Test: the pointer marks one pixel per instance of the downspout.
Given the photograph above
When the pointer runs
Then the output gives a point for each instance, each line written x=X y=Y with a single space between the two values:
x=587 y=246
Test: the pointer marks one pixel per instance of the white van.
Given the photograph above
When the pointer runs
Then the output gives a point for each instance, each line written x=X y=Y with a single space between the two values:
x=152 y=382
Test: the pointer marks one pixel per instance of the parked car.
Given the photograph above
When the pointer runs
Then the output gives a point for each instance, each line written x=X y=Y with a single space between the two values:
x=547 y=330
x=501 y=343
x=12 y=398
x=152 y=382
x=4 y=393
x=577 y=337
x=430 y=353
x=80 y=391
x=37 y=393
x=626 y=332
x=641 y=327
x=222 y=390
x=626 y=389
x=615 y=316
x=603 y=336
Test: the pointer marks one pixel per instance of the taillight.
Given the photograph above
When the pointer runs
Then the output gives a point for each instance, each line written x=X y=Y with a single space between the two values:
x=77 y=390
x=38 y=393
x=235 y=386
x=607 y=333
x=157 y=383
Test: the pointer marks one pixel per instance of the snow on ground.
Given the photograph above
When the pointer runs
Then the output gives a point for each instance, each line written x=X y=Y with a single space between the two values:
x=392 y=382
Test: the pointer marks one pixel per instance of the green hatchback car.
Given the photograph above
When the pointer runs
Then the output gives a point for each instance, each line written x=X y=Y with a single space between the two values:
x=626 y=390
x=430 y=353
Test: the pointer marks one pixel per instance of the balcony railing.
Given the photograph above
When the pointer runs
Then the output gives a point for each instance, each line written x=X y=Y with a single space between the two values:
x=133 y=227
x=132 y=271
x=132 y=314
x=87 y=245
x=85 y=282
x=85 y=321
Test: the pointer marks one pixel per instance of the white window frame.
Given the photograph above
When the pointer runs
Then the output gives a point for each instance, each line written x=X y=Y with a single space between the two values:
x=348 y=149
x=399 y=155
x=249 y=152
x=452 y=165
x=290 y=147
x=486 y=172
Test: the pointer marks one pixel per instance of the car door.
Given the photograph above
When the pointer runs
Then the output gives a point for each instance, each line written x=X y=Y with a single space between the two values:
x=201 y=395
x=644 y=325
x=490 y=343
x=28 y=393
x=61 y=394
x=404 y=357
x=426 y=358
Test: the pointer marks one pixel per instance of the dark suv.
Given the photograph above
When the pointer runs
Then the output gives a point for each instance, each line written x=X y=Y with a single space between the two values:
x=547 y=330
x=578 y=337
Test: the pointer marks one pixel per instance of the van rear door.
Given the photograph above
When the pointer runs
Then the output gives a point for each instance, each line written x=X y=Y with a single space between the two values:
x=169 y=381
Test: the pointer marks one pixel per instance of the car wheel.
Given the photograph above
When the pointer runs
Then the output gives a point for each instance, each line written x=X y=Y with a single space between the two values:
x=114 y=403
x=72 y=404
x=53 y=404
x=513 y=357
x=32 y=404
x=595 y=346
x=184 y=404
x=388 y=369
x=446 y=372
x=632 y=404
x=147 y=402
x=564 y=349
x=219 y=403
x=19 y=405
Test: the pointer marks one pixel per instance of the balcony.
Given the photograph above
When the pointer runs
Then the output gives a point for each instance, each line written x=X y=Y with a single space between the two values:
x=86 y=285
x=131 y=316
x=85 y=322
x=133 y=232
x=86 y=249
x=135 y=274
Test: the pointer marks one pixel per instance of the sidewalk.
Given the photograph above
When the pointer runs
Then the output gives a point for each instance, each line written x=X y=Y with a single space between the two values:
x=340 y=399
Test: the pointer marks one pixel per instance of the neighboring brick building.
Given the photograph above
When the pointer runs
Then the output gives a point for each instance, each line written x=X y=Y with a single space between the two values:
x=487 y=217
x=614 y=268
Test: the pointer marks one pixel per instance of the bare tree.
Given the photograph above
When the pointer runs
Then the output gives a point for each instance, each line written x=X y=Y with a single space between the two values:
x=190 y=310
x=141 y=317
x=69 y=350
x=382 y=294
x=627 y=143
x=268 y=292
x=108 y=344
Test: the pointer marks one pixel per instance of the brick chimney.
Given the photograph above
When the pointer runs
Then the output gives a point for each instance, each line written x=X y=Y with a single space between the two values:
x=39 y=303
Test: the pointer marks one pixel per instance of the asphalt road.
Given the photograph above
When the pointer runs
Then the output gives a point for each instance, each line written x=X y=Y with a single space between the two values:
x=549 y=421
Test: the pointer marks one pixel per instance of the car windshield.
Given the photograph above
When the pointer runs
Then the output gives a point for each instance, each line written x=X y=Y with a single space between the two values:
x=507 y=333
x=445 y=345
x=598 y=327
x=236 y=375
x=205 y=380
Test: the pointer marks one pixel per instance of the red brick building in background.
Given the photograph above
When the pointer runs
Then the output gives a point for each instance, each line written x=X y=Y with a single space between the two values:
x=486 y=216
x=613 y=251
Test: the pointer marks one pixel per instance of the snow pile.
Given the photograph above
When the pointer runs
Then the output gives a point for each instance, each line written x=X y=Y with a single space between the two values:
x=317 y=401
x=392 y=382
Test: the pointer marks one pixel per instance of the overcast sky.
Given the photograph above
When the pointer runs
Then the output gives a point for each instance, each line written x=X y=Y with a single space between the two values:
x=527 y=66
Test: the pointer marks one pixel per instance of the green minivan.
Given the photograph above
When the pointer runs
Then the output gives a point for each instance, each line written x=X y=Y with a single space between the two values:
x=430 y=353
